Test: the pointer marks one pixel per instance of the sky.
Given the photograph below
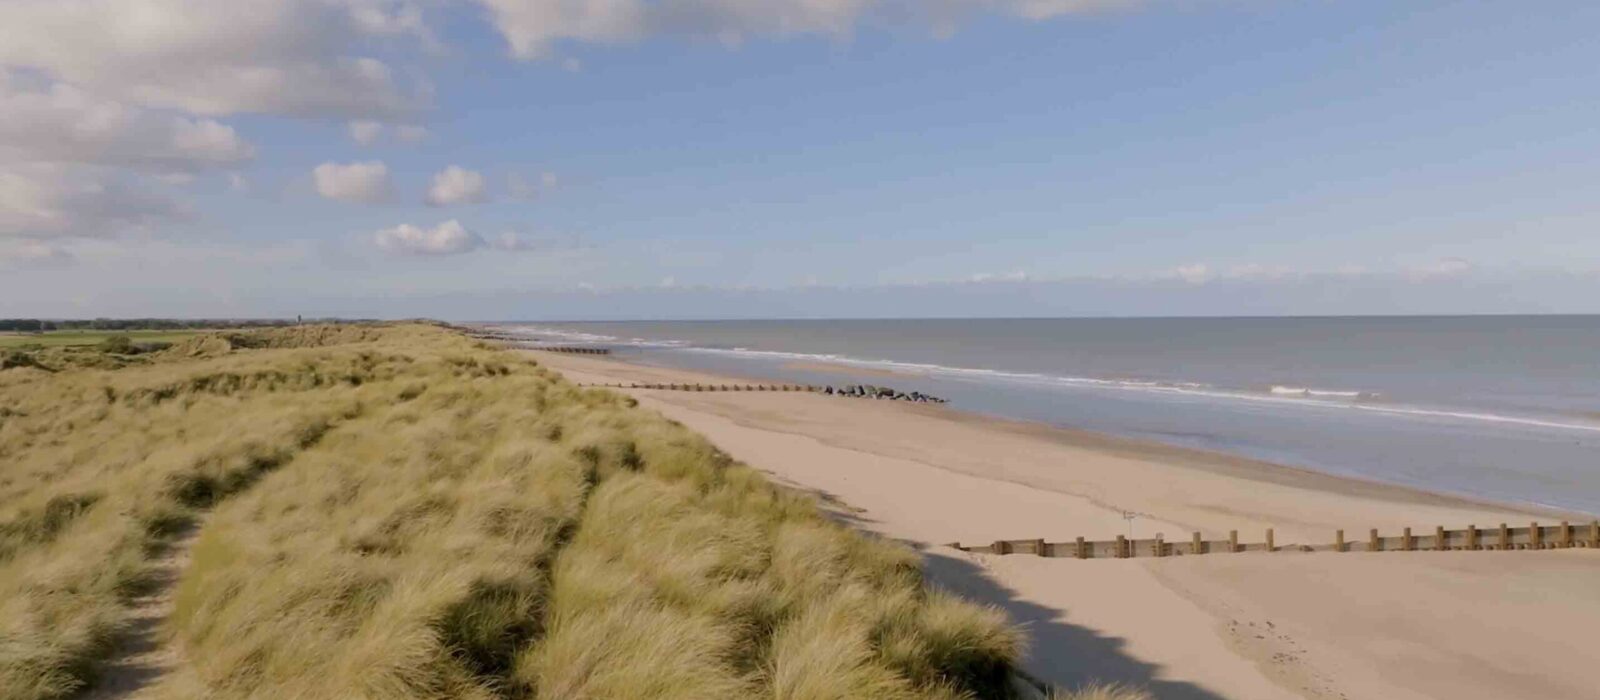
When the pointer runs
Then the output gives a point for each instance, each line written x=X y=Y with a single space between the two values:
x=563 y=159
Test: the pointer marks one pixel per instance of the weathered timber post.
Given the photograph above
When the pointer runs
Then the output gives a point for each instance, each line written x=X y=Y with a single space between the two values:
x=1373 y=543
x=1566 y=535
x=1161 y=548
x=1405 y=540
x=1505 y=537
x=1122 y=547
x=1472 y=537
x=999 y=547
x=1083 y=550
x=1199 y=546
x=1270 y=546
x=1233 y=541
x=1594 y=535
x=1338 y=540
x=1038 y=546
x=1535 y=537
x=1438 y=538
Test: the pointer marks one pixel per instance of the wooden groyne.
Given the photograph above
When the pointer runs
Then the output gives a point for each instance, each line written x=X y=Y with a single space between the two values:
x=851 y=391
x=713 y=387
x=571 y=349
x=1502 y=538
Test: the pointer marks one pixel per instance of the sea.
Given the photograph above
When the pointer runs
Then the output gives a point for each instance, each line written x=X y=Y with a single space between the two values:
x=1504 y=408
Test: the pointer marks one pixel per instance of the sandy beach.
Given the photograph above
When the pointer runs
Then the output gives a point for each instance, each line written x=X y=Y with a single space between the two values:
x=1285 y=625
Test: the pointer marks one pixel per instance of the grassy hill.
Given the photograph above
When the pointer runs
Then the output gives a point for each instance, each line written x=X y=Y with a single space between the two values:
x=402 y=512
x=89 y=337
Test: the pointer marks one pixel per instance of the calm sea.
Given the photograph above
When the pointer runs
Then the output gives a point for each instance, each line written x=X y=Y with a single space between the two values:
x=1503 y=407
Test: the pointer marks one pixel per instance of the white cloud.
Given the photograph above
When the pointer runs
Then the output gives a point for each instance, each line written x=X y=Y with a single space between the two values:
x=520 y=187
x=295 y=57
x=1193 y=273
x=365 y=131
x=457 y=185
x=59 y=123
x=30 y=254
x=512 y=241
x=363 y=182
x=41 y=201
x=1013 y=276
x=410 y=133
x=448 y=238
x=531 y=27
x=368 y=132
x=98 y=96
x=389 y=18
x=1448 y=267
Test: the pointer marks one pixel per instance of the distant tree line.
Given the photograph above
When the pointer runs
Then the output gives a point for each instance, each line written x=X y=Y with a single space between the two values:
x=34 y=325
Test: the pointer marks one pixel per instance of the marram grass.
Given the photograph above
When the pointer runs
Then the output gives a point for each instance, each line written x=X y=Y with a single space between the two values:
x=400 y=512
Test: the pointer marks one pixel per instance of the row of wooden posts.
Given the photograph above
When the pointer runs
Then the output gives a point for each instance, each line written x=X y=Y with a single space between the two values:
x=714 y=387
x=571 y=350
x=1504 y=538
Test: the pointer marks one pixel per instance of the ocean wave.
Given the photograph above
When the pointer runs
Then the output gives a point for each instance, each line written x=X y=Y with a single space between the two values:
x=581 y=338
x=1281 y=390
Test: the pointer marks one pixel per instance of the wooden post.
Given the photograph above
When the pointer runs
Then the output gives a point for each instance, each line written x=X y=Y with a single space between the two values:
x=1405 y=540
x=999 y=547
x=1083 y=550
x=1122 y=547
x=1233 y=541
x=1438 y=538
x=1565 y=541
x=1270 y=548
x=1535 y=537
x=1373 y=543
x=1505 y=537
x=1161 y=548
x=1199 y=545
x=1594 y=535
x=1472 y=537
x=1338 y=540
x=1038 y=546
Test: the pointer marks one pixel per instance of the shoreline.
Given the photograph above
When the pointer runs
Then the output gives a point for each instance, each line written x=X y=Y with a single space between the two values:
x=1214 y=461
x=1251 y=625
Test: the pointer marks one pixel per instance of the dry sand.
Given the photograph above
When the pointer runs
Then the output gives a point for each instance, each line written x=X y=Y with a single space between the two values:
x=1387 y=626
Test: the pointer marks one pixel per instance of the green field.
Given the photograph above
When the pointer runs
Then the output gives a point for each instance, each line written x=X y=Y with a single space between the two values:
x=57 y=339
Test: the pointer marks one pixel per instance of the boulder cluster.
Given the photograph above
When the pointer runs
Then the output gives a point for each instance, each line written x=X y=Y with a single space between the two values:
x=867 y=391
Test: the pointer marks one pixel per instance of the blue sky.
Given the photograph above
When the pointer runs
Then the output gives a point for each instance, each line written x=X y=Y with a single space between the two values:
x=723 y=158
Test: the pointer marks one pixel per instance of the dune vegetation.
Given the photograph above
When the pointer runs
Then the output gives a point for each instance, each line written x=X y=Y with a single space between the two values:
x=399 y=511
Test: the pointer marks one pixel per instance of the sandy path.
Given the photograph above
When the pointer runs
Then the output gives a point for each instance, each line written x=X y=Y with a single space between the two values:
x=1352 y=626
x=143 y=656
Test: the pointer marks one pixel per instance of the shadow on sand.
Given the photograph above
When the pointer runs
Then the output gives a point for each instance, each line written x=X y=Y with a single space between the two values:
x=1062 y=654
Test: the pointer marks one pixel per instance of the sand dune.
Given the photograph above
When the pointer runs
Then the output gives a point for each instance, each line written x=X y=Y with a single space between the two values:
x=1286 y=625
